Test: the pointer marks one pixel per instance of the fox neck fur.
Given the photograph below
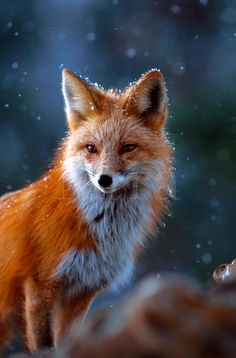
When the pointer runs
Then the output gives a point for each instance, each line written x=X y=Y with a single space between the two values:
x=117 y=223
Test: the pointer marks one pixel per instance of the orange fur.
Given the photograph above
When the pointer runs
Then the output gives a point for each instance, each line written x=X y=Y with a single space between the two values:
x=42 y=222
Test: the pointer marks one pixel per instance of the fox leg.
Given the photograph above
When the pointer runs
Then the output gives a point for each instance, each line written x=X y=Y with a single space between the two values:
x=66 y=311
x=5 y=334
x=37 y=316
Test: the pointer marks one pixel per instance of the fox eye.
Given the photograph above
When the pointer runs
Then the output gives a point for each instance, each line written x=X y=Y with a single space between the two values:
x=128 y=148
x=91 y=148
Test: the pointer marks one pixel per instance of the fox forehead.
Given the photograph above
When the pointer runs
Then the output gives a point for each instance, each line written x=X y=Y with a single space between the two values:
x=114 y=131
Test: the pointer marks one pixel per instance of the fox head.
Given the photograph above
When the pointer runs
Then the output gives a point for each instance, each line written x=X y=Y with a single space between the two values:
x=117 y=141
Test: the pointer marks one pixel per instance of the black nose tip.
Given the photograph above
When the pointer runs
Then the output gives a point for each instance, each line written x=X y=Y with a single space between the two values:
x=105 y=180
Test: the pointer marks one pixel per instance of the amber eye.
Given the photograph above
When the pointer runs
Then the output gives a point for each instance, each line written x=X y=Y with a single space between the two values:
x=91 y=148
x=128 y=148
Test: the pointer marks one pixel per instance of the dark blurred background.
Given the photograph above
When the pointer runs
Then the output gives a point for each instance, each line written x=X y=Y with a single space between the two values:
x=113 y=43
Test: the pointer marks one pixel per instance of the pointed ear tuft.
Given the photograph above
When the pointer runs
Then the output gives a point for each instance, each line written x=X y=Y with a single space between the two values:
x=76 y=93
x=82 y=100
x=147 y=96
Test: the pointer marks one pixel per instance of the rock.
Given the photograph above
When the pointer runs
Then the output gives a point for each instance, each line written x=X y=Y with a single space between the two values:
x=173 y=317
x=225 y=272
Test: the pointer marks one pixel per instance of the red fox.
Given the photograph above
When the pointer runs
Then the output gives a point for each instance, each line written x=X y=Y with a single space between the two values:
x=79 y=228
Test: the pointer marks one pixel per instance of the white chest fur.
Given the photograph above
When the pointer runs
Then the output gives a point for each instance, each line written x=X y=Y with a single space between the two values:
x=117 y=224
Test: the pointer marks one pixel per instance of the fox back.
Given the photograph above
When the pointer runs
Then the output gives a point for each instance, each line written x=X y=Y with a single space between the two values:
x=80 y=227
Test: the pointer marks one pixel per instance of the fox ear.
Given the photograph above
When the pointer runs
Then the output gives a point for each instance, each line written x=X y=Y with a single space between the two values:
x=147 y=98
x=81 y=99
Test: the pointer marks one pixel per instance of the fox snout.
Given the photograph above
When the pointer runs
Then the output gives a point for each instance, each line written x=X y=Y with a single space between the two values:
x=105 y=181
x=108 y=183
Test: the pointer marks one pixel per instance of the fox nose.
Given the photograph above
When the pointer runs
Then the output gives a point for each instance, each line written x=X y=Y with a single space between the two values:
x=105 y=180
